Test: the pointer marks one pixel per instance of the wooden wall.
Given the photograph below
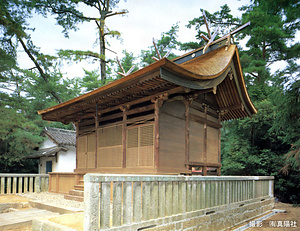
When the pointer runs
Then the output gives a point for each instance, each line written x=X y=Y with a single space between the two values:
x=189 y=132
x=121 y=141
x=166 y=136
x=172 y=137
x=110 y=151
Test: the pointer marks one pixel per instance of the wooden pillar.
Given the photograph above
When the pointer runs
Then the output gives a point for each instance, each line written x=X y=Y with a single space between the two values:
x=205 y=141
x=158 y=102
x=188 y=101
x=219 y=149
x=76 y=146
x=156 y=133
x=124 y=109
x=96 y=135
x=187 y=131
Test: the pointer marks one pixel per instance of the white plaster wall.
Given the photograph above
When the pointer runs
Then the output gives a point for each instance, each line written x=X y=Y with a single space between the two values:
x=66 y=161
x=48 y=143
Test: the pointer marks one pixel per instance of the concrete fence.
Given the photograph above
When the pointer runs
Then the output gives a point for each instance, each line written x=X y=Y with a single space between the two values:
x=22 y=183
x=136 y=202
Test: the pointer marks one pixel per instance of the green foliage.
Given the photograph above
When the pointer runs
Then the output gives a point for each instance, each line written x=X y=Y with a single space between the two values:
x=90 y=80
x=268 y=143
x=77 y=55
x=18 y=138
x=167 y=42
x=221 y=19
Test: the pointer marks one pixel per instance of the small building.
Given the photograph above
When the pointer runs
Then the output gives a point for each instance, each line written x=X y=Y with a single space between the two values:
x=162 y=119
x=58 y=151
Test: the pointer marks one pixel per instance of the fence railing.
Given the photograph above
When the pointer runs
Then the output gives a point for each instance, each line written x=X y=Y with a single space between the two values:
x=120 y=200
x=11 y=183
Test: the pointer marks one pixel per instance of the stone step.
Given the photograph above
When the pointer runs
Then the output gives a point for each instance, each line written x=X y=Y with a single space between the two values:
x=76 y=193
x=74 y=198
x=22 y=218
x=79 y=187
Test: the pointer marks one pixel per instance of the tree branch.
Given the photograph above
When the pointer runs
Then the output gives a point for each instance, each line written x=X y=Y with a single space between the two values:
x=41 y=71
x=115 y=13
x=56 y=11
x=250 y=73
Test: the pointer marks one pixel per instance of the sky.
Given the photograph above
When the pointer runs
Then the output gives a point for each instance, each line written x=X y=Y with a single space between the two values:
x=146 y=19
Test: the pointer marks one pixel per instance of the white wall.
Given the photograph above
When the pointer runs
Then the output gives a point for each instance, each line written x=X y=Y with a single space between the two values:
x=48 y=143
x=66 y=161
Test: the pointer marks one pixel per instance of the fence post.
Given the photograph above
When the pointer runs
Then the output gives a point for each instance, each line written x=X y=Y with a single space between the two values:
x=30 y=184
x=20 y=188
x=137 y=199
x=117 y=203
x=91 y=205
x=37 y=184
x=8 y=185
x=271 y=188
x=14 y=190
x=105 y=210
x=127 y=208
x=2 y=185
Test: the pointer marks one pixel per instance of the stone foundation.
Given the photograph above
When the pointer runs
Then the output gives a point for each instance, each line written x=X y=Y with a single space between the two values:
x=215 y=218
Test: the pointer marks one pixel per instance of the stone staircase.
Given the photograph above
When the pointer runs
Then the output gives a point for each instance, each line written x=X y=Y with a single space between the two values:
x=77 y=194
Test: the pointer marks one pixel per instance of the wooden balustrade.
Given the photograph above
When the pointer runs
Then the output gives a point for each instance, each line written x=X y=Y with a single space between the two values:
x=21 y=183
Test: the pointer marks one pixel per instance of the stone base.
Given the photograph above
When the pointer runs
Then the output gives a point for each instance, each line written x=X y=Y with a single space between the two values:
x=215 y=218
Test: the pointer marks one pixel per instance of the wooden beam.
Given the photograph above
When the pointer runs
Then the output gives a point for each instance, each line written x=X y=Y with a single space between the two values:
x=232 y=107
x=206 y=24
x=129 y=112
x=204 y=37
x=201 y=164
x=156 y=49
x=137 y=101
x=205 y=121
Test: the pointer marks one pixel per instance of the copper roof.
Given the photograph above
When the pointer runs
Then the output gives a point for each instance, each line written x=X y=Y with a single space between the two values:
x=219 y=68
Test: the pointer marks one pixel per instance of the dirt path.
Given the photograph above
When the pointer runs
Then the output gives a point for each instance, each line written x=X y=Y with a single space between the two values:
x=12 y=199
x=282 y=221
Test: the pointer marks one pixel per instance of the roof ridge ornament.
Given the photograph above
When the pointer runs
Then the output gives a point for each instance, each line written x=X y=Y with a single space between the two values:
x=210 y=38
x=123 y=73
x=158 y=53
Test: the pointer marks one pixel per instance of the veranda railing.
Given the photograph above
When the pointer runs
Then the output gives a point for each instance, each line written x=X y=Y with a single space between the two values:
x=22 y=183
x=122 y=200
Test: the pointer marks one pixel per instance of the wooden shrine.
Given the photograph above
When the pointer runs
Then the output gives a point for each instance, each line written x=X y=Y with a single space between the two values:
x=162 y=119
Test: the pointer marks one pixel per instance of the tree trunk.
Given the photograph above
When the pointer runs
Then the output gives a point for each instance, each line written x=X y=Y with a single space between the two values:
x=102 y=49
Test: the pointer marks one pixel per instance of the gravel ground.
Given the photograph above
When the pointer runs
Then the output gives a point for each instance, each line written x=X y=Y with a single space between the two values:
x=53 y=198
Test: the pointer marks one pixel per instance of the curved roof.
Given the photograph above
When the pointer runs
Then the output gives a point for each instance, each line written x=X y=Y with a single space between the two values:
x=219 y=71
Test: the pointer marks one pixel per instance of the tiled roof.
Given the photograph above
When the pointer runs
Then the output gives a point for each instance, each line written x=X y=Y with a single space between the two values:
x=47 y=152
x=61 y=136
